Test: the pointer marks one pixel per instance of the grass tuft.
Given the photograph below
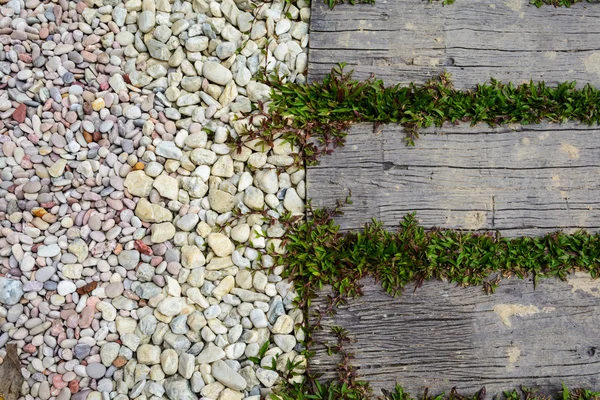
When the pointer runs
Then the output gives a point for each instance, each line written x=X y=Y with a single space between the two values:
x=318 y=254
x=316 y=117
x=332 y=3
x=336 y=391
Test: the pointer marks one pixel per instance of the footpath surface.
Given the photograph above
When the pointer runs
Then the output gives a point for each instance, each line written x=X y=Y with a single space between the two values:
x=519 y=180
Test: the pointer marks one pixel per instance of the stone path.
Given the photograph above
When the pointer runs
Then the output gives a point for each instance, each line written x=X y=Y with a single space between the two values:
x=130 y=230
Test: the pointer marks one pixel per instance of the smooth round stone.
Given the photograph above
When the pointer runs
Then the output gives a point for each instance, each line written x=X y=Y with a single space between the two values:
x=105 y=385
x=14 y=312
x=45 y=273
x=32 y=187
x=68 y=77
x=76 y=90
x=11 y=291
x=58 y=141
x=33 y=286
x=66 y=287
x=258 y=318
x=133 y=112
x=95 y=370
x=153 y=169
x=124 y=38
x=48 y=251
x=27 y=264
x=129 y=259
x=81 y=351
x=106 y=126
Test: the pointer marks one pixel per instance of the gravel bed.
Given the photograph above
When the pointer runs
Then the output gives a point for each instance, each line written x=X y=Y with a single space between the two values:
x=132 y=234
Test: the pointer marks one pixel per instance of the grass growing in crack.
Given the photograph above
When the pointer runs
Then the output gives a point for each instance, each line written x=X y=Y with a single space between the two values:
x=558 y=3
x=537 y=3
x=332 y=3
x=337 y=391
x=318 y=254
x=316 y=117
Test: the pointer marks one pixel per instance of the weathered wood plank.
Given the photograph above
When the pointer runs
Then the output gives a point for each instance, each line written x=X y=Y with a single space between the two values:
x=521 y=181
x=444 y=336
x=412 y=40
x=518 y=180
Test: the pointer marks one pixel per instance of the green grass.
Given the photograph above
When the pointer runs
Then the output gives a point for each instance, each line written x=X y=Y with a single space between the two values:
x=333 y=3
x=318 y=254
x=537 y=3
x=335 y=391
x=316 y=117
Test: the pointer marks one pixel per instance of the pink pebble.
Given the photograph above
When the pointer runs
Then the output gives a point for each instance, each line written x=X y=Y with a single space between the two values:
x=29 y=348
x=26 y=162
x=74 y=386
x=56 y=329
x=87 y=316
x=92 y=301
x=72 y=321
x=155 y=261
x=33 y=138
x=26 y=58
x=58 y=382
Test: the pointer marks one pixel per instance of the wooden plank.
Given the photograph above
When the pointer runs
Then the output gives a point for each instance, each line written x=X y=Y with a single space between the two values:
x=405 y=41
x=444 y=336
x=518 y=180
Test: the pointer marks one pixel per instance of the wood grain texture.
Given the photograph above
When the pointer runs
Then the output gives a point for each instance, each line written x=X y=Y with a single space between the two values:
x=519 y=180
x=403 y=41
x=444 y=336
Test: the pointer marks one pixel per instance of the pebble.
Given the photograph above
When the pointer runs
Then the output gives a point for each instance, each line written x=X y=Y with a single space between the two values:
x=258 y=318
x=169 y=361
x=227 y=376
x=217 y=73
x=171 y=306
x=95 y=370
x=267 y=377
x=210 y=354
x=49 y=251
x=169 y=150
x=11 y=291
x=220 y=244
x=66 y=287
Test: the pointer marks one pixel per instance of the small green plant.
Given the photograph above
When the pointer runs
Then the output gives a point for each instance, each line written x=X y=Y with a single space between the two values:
x=318 y=254
x=333 y=3
x=334 y=391
x=261 y=352
x=316 y=117
x=558 y=3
